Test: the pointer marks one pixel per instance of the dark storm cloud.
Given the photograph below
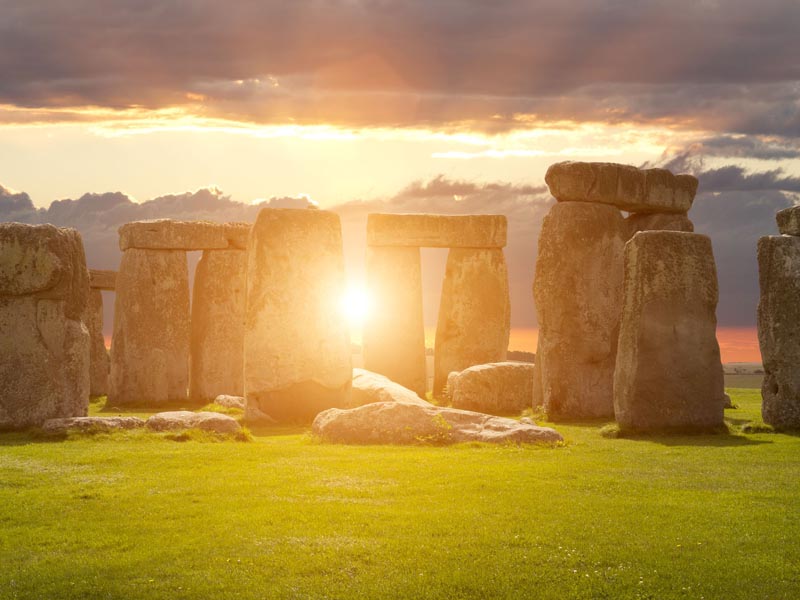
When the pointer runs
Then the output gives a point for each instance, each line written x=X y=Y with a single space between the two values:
x=411 y=62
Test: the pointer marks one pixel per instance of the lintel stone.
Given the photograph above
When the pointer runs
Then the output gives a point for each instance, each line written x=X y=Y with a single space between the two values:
x=437 y=231
x=102 y=280
x=166 y=234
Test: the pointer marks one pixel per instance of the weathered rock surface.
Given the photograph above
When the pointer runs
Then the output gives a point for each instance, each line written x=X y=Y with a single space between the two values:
x=578 y=295
x=44 y=342
x=166 y=234
x=102 y=280
x=669 y=374
x=474 y=313
x=402 y=423
x=184 y=419
x=624 y=186
x=779 y=329
x=437 y=231
x=297 y=352
x=658 y=222
x=371 y=387
x=230 y=401
x=394 y=333
x=92 y=424
x=789 y=220
x=150 y=345
x=501 y=388
x=217 y=344
x=99 y=364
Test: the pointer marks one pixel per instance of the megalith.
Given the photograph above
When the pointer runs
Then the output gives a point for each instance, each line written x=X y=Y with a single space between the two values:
x=44 y=341
x=779 y=329
x=668 y=374
x=394 y=332
x=217 y=344
x=99 y=363
x=150 y=342
x=658 y=222
x=578 y=295
x=474 y=312
x=297 y=353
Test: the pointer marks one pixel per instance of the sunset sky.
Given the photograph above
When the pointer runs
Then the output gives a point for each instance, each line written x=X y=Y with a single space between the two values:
x=196 y=109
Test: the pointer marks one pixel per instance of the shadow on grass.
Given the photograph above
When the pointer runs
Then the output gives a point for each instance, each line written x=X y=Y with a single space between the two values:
x=718 y=440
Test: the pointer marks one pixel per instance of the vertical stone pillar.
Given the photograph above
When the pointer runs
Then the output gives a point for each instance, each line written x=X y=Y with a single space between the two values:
x=668 y=374
x=394 y=333
x=218 y=299
x=98 y=359
x=474 y=313
x=44 y=342
x=150 y=345
x=297 y=355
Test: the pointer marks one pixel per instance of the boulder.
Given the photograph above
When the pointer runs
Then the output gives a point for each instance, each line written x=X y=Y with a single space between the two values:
x=102 y=280
x=217 y=342
x=95 y=424
x=394 y=333
x=789 y=220
x=166 y=234
x=501 y=388
x=578 y=296
x=98 y=355
x=44 y=341
x=779 y=329
x=297 y=353
x=371 y=387
x=669 y=375
x=150 y=345
x=403 y=423
x=658 y=222
x=437 y=231
x=624 y=186
x=184 y=419
x=229 y=401
x=474 y=313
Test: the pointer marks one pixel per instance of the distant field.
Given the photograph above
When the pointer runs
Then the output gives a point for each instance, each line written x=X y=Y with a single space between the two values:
x=747 y=380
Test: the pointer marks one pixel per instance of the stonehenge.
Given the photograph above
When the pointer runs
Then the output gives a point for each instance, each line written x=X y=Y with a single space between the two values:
x=779 y=321
x=474 y=314
x=44 y=340
x=98 y=356
x=502 y=388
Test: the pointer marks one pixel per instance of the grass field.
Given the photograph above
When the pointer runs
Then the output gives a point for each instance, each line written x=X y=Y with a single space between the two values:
x=140 y=516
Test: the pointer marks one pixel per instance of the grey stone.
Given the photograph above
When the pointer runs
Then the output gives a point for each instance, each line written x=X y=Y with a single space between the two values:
x=474 y=313
x=184 y=419
x=97 y=424
x=230 y=401
x=779 y=329
x=624 y=186
x=437 y=231
x=297 y=351
x=150 y=344
x=403 y=423
x=501 y=388
x=217 y=344
x=371 y=387
x=166 y=234
x=578 y=295
x=394 y=333
x=789 y=220
x=98 y=355
x=669 y=375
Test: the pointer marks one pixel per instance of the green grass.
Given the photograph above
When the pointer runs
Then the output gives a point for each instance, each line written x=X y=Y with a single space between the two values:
x=140 y=516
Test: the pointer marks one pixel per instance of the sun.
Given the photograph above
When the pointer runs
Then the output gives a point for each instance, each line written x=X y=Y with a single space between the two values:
x=356 y=305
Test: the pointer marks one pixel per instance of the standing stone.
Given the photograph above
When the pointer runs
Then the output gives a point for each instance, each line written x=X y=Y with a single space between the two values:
x=669 y=374
x=578 y=296
x=44 y=342
x=150 y=344
x=297 y=355
x=474 y=313
x=98 y=355
x=218 y=299
x=789 y=220
x=394 y=333
x=779 y=329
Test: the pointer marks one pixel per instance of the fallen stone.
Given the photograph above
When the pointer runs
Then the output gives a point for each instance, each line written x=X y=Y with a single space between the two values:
x=501 y=388
x=253 y=414
x=297 y=353
x=371 y=387
x=624 y=186
x=217 y=340
x=92 y=424
x=184 y=419
x=668 y=374
x=658 y=222
x=437 y=231
x=578 y=296
x=727 y=401
x=402 y=423
x=99 y=364
x=166 y=234
x=789 y=220
x=102 y=280
x=779 y=329
x=473 y=326
x=229 y=401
